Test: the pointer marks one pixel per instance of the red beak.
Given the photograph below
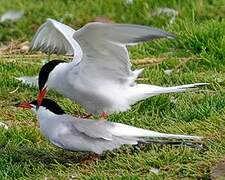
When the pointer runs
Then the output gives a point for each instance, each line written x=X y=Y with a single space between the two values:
x=41 y=95
x=25 y=105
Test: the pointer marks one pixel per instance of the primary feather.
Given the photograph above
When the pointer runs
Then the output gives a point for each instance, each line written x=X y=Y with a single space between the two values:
x=55 y=37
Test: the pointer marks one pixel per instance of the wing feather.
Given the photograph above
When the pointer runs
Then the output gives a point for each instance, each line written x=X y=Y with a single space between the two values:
x=109 y=130
x=55 y=37
x=104 y=48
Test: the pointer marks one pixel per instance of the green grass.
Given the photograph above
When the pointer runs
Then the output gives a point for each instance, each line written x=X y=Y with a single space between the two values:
x=200 y=29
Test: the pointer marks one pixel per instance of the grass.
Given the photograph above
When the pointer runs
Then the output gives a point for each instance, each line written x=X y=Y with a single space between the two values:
x=24 y=152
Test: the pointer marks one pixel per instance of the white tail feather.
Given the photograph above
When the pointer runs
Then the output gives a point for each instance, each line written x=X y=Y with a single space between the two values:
x=143 y=91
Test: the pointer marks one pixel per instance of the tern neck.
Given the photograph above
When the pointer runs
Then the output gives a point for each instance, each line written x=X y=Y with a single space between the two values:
x=45 y=71
x=45 y=114
x=57 y=76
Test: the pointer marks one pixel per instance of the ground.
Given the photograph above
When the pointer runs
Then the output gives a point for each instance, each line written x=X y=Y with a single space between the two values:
x=196 y=55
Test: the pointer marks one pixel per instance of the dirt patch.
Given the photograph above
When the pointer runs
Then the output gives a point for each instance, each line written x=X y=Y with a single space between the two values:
x=15 y=47
x=218 y=171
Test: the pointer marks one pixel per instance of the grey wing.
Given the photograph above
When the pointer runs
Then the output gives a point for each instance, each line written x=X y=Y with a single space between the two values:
x=90 y=135
x=107 y=130
x=104 y=48
x=78 y=141
x=92 y=128
x=55 y=37
x=98 y=136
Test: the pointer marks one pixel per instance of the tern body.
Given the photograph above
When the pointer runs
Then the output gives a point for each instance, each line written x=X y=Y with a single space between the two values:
x=100 y=94
x=96 y=95
x=100 y=76
x=76 y=134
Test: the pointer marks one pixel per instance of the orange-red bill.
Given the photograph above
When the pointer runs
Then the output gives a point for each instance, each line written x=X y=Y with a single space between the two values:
x=25 y=105
x=41 y=96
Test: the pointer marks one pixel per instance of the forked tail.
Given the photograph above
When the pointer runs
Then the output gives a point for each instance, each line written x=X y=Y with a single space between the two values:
x=143 y=91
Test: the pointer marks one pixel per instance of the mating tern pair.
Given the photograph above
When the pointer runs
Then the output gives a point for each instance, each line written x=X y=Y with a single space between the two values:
x=99 y=77
x=97 y=136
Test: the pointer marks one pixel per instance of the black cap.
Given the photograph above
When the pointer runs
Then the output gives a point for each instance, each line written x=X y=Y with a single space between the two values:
x=45 y=71
x=50 y=105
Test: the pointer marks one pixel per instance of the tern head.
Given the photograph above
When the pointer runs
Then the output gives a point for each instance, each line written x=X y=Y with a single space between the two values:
x=46 y=103
x=43 y=78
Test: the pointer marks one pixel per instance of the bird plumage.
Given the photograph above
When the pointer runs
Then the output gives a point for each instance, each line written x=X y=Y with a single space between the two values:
x=75 y=134
x=100 y=76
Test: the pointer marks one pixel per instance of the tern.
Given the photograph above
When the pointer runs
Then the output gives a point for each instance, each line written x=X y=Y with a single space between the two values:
x=75 y=134
x=100 y=77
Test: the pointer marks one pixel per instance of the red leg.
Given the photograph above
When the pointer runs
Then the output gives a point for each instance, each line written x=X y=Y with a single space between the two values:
x=104 y=115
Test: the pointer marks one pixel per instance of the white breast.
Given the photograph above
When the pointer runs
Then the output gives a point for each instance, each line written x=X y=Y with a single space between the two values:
x=50 y=124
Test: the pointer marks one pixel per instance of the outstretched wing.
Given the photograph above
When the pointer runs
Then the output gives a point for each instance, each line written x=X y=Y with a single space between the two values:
x=55 y=37
x=104 y=48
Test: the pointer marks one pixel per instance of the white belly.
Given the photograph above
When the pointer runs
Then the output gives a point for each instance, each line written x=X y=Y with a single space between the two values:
x=94 y=95
x=107 y=99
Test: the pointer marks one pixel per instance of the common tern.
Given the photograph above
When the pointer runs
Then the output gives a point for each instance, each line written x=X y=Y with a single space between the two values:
x=76 y=134
x=100 y=77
